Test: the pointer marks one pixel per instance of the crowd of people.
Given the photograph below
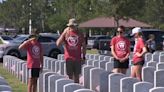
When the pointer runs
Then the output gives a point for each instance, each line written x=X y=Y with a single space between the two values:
x=75 y=50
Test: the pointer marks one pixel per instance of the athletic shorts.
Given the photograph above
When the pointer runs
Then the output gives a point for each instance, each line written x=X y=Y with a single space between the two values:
x=118 y=64
x=73 y=67
x=139 y=63
x=33 y=72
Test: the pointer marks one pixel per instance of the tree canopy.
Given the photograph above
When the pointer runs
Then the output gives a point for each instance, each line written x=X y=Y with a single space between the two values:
x=52 y=15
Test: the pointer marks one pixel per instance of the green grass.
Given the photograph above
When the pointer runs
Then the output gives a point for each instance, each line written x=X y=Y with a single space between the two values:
x=16 y=85
x=93 y=51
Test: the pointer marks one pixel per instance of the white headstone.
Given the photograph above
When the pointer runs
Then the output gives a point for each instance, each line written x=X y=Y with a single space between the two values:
x=83 y=90
x=109 y=66
x=157 y=89
x=114 y=82
x=60 y=84
x=96 y=63
x=148 y=74
x=160 y=66
x=159 y=78
x=148 y=57
x=107 y=58
x=72 y=87
x=102 y=57
x=40 y=81
x=126 y=84
x=104 y=82
x=5 y=88
x=86 y=75
x=152 y=63
x=103 y=64
x=161 y=58
x=95 y=77
x=51 y=82
x=156 y=56
x=45 y=80
x=142 y=87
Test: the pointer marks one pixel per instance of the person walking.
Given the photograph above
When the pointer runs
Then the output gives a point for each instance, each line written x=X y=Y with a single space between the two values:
x=120 y=49
x=139 y=51
x=34 y=59
x=74 y=49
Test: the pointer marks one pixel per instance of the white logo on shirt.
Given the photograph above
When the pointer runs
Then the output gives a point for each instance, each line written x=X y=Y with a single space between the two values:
x=72 y=40
x=121 y=45
x=35 y=51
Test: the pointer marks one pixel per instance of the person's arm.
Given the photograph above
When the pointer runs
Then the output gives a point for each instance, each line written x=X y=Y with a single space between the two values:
x=84 y=48
x=113 y=52
x=128 y=52
x=61 y=38
x=24 y=44
x=144 y=50
x=41 y=57
x=112 y=48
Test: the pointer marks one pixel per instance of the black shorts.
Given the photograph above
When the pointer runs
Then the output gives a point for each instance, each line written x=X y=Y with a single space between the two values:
x=118 y=64
x=73 y=67
x=33 y=72
x=139 y=63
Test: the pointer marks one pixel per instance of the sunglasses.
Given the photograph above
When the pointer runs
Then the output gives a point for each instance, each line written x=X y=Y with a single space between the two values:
x=119 y=32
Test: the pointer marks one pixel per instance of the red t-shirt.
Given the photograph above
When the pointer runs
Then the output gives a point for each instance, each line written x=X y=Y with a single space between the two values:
x=73 y=44
x=34 y=51
x=138 y=48
x=121 y=46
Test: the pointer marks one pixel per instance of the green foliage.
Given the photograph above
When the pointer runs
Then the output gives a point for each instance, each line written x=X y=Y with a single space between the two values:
x=54 y=14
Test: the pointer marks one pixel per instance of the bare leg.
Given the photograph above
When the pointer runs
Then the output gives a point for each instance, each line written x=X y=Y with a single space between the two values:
x=29 y=85
x=133 y=72
x=123 y=71
x=116 y=70
x=76 y=78
x=138 y=72
x=34 y=84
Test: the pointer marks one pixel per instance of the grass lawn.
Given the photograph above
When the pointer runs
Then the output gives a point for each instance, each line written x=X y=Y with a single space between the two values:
x=16 y=85
x=93 y=51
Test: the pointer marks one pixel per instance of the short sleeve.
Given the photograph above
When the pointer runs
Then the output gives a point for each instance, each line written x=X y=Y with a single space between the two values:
x=141 y=43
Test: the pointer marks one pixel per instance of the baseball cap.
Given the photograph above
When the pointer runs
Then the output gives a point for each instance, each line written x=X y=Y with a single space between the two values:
x=135 y=30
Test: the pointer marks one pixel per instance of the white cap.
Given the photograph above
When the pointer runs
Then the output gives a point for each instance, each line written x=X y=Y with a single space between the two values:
x=135 y=30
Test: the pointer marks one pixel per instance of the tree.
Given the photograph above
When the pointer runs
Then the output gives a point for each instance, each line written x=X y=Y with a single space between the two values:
x=154 y=13
x=123 y=9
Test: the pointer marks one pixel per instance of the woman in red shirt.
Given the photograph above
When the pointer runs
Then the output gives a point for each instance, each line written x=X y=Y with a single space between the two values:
x=139 y=51
x=120 y=49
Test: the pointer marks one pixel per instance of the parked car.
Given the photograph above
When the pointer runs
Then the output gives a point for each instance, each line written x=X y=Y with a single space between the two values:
x=5 y=39
x=48 y=43
x=159 y=38
x=93 y=41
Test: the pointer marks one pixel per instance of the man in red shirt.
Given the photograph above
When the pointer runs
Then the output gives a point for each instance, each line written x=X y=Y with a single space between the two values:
x=34 y=59
x=120 y=49
x=75 y=49
x=139 y=51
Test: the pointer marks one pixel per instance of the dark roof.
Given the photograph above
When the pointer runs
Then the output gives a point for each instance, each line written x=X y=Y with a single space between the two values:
x=109 y=22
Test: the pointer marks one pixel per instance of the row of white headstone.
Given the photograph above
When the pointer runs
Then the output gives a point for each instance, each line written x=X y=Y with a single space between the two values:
x=4 y=86
x=155 y=78
x=99 y=64
x=50 y=80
